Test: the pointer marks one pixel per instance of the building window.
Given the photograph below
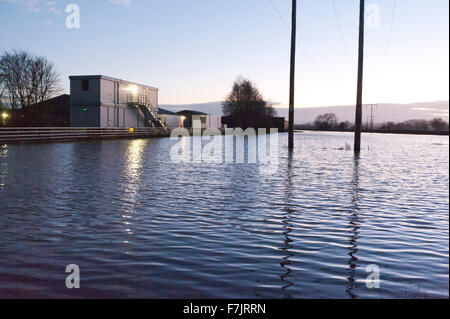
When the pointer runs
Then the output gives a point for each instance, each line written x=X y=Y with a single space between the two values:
x=85 y=85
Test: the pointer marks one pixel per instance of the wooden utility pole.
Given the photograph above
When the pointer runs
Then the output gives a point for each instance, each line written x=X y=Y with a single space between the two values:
x=292 y=79
x=358 y=120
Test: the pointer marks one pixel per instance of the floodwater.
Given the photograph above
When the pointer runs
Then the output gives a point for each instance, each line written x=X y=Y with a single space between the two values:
x=138 y=225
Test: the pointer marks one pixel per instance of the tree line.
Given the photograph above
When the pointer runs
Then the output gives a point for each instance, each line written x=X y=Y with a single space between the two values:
x=436 y=125
x=26 y=79
x=330 y=122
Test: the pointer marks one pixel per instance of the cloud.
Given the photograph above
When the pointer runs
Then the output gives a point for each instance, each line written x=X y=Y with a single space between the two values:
x=439 y=114
x=36 y=6
x=425 y=109
x=31 y=5
x=121 y=2
x=51 y=7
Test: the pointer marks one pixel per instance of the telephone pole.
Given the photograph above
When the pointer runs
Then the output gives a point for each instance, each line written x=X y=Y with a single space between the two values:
x=358 y=120
x=292 y=79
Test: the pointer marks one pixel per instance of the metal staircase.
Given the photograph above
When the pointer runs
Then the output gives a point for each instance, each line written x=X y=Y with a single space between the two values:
x=150 y=112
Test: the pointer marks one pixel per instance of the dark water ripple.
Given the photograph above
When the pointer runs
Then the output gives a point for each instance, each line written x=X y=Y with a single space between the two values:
x=140 y=226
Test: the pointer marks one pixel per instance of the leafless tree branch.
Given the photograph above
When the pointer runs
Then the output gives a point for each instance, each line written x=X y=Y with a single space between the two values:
x=26 y=79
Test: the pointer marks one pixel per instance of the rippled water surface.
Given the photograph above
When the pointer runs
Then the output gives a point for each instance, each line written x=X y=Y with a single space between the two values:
x=139 y=226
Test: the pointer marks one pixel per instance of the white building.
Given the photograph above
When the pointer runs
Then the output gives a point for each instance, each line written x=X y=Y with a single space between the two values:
x=186 y=119
x=101 y=101
x=206 y=120
x=170 y=119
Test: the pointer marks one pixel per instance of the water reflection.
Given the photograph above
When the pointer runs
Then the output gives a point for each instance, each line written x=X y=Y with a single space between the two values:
x=354 y=226
x=134 y=159
x=133 y=168
x=287 y=229
x=3 y=164
x=132 y=175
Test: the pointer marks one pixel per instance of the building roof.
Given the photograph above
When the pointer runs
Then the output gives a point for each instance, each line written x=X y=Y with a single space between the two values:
x=97 y=77
x=54 y=112
x=187 y=112
x=57 y=103
x=165 y=112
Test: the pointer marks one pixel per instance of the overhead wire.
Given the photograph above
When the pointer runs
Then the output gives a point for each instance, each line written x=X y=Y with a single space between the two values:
x=341 y=32
x=288 y=27
x=391 y=27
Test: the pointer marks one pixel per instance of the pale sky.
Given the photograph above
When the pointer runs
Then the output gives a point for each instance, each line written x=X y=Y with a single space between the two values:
x=194 y=49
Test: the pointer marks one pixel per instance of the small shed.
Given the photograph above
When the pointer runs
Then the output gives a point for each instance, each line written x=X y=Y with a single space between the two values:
x=206 y=120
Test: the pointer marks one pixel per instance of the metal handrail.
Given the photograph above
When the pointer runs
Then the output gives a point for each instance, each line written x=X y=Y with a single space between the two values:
x=142 y=100
x=137 y=99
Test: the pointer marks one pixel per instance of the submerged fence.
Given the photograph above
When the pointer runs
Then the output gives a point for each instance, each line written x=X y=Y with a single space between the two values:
x=48 y=134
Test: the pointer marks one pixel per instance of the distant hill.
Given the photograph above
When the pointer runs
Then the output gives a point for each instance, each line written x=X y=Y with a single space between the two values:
x=383 y=113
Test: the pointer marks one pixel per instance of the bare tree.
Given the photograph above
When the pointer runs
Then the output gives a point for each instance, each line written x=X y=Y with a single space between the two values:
x=13 y=67
x=246 y=105
x=27 y=79
x=45 y=80
x=2 y=89
x=326 y=121
x=270 y=111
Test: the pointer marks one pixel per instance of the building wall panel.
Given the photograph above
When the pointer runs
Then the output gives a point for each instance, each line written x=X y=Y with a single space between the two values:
x=85 y=98
x=88 y=118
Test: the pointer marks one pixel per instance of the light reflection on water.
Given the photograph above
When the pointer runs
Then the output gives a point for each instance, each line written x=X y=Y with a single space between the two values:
x=140 y=226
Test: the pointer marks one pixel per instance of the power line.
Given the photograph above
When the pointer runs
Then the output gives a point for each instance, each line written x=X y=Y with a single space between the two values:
x=305 y=52
x=341 y=32
x=279 y=14
x=394 y=9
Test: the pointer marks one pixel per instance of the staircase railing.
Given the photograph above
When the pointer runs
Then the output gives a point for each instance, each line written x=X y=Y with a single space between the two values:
x=141 y=101
x=137 y=99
